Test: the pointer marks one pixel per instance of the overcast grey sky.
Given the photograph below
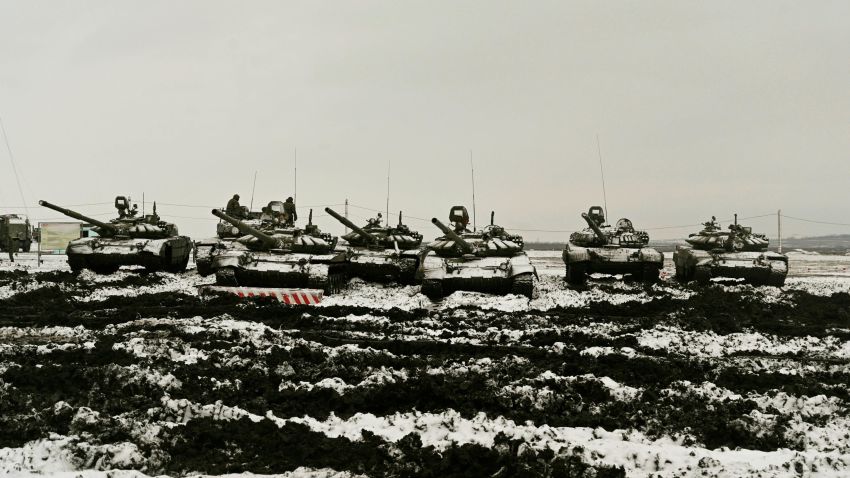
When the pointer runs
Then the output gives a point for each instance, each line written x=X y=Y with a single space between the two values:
x=701 y=107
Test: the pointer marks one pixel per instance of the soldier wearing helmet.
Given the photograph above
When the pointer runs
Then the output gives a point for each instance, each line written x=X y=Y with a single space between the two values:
x=234 y=209
x=289 y=212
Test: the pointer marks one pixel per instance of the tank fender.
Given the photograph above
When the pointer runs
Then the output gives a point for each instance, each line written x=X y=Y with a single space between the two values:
x=433 y=267
x=82 y=246
x=226 y=260
x=517 y=269
x=153 y=247
x=651 y=255
x=576 y=254
x=778 y=265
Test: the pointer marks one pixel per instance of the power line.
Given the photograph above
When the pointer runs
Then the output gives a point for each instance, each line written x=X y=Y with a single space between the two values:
x=539 y=230
x=378 y=210
x=816 y=222
x=212 y=207
x=66 y=205
x=14 y=166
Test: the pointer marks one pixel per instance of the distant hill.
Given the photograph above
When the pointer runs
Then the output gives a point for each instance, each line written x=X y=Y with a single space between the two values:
x=832 y=244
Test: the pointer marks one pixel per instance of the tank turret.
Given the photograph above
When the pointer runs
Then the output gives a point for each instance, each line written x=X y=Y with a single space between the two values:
x=367 y=237
x=106 y=229
x=595 y=227
x=269 y=242
x=465 y=246
x=737 y=238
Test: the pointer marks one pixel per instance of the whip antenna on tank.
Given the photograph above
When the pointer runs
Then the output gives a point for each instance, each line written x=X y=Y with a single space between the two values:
x=602 y=173
x=472 y=167
x=295 y=179
x=388 y=194
x=253 y=188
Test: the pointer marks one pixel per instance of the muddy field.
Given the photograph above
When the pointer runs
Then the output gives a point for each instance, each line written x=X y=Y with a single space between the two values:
x=134 y=372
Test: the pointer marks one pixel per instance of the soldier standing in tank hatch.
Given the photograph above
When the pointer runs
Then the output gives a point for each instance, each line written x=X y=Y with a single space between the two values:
x=289 y=212
x=234 y=209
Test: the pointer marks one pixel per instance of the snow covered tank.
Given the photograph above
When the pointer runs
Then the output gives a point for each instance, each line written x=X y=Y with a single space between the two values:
x=15 y=233
x=382 y=253
x=128 y=240
x=490 y=260
x=226 y=233
x=287 y=257
x=737 y=253
x=610 y=250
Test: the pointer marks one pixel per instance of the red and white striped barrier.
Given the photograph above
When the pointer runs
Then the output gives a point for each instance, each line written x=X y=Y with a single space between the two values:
x=287 y=296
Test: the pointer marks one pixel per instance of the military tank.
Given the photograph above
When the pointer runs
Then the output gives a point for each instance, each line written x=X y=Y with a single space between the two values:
x=128 y=240
x=490 y=260
x=610 y=250
x=382 y=253
x=203 y=250
x=275 y=256
x=737 y=254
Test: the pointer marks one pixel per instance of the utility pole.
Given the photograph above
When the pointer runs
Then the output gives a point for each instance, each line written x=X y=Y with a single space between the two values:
x=388 y=194
x=253 y=188
x=779 y=227
x=472 y=168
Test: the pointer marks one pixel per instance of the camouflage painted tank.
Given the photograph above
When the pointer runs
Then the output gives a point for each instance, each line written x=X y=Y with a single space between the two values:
x=128 y=240
x=610 y=250
x=490 y=260
x=272 y=215
x=737 y=253
x=279 y=256
x=382 y=253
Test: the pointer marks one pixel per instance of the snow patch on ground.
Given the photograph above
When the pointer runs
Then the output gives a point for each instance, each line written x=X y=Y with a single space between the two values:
x=640 y=455
x=709 y=344
x=376 y=296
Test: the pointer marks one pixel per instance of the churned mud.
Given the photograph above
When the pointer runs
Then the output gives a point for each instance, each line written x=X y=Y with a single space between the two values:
x=136 y=372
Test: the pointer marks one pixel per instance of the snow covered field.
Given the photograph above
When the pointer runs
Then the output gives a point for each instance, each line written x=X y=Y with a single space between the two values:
x=135 y=373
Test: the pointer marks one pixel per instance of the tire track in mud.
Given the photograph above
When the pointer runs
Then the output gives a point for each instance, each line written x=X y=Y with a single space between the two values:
x=122 y=358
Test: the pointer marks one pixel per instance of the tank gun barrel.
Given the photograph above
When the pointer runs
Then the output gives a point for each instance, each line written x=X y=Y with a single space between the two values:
x=351 y=225
x=596 y=230
x=467 y=248
x=266 y=239
x=103 y=225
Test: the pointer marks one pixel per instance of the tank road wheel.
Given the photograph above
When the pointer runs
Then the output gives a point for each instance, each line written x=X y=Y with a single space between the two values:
x=650 y=273
x=577 y=273
x=433 y=289
x=702 y=275
x=226 y=277
x=523 y=285
x=776 y=279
